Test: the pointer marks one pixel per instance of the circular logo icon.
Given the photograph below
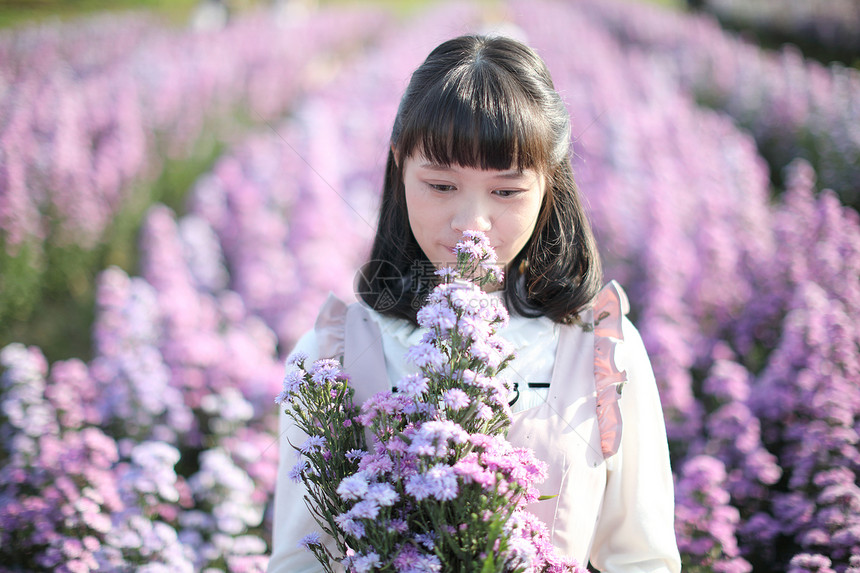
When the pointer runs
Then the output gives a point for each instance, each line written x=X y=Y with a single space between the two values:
x=381 y=283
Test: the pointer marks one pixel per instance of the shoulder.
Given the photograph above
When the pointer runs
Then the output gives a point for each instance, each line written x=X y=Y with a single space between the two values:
x=338 y=321
x=326 y=337
x=306 y=346
x=634 y=347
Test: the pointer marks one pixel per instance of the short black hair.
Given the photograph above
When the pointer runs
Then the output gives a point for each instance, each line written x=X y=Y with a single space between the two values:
x=489 y=103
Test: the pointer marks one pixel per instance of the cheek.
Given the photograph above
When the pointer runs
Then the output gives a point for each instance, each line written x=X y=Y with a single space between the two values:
x=421 y=214
x=524 y=221
x=520 y=227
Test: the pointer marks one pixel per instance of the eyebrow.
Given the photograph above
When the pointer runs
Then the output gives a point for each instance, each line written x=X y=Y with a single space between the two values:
x=511 y=174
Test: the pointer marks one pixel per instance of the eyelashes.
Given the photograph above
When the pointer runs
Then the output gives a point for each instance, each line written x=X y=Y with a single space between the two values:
x=503 y=193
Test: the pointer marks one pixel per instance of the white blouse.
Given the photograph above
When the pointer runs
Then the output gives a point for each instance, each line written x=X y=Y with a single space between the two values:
x=632 y=529
x=535 y=341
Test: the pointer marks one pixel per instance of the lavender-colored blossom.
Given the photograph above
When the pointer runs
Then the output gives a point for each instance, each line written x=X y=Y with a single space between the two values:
x=481 y=350
x=154 y=472
x=472 y=328
x=425 y=355
x=292 y=382
x=382 y=494
x=435 y=316
x=411 y=560
x=469 y=299
x=419 y=487
x=375 y=464
x=365 y=563
x=428 y=539
x=350 y=526
x=810 y=563
x=398 y=526
x=296 y=358
x=456 y=399
x=432 y=438
x=475 y=245
x=484 y=412
x=295 y=473
x=312 y=538
x=366 y=509
x=413 y=385
x=352 y=487
x=312 y=444
x=442 y=481
x=325 y=371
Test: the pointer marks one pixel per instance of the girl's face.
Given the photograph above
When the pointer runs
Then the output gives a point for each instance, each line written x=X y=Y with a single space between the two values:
x=443 y=201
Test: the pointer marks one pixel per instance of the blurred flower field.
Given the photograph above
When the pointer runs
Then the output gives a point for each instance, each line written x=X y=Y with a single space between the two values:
x=723 y=186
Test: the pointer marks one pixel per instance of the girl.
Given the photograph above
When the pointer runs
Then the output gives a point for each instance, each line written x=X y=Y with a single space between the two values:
x=481 y=142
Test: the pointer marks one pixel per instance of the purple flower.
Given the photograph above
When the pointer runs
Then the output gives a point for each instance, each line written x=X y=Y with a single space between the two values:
x=432 y=438
x=473 y=328
x=375 y=464
x=468 y=299
x=349 y=525
x=810 y=563
x=295 y=472
x=472 y=378
x=425 y=355
x=325 y=371
x=382 y=494
x=297 y=358
x=481 y=350
x=437 y=316
x=475 y=245
x=456 y=399
x=428 y=539
x=413 y=385
x=352 y=487
x=484 y=412
x=365 y=509
x=365 y=563
x=397 y=526
x=312 y=444
x=418 y=487
x=312 y=538
x=442 y=481
x=282 y=397
x=293 y=381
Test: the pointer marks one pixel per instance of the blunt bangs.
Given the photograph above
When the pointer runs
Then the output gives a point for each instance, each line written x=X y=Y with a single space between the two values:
x=480 y=118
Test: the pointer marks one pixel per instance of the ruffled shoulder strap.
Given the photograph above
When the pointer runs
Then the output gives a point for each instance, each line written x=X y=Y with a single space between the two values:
x=610 y=306
x=330 y=327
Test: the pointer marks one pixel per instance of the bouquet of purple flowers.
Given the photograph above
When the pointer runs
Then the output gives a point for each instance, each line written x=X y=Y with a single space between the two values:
x=421 y=479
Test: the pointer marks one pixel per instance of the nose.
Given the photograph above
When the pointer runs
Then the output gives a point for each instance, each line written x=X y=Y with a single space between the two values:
x=471 y=215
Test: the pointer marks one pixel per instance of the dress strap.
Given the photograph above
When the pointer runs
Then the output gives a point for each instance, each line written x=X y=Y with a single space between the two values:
x=610 y=306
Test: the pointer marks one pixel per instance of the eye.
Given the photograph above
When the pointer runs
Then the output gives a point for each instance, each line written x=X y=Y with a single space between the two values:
x=507 y=192
x=441 y=187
